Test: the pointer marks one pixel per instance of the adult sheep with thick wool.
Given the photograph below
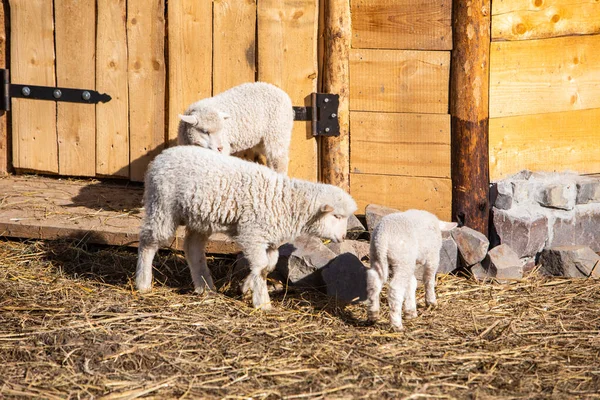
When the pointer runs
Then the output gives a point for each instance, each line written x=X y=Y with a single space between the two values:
x=259 y=208
x=245 y=116
x=401 y=241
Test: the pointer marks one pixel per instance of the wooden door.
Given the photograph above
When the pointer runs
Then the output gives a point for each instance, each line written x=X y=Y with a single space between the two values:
x=152 y=73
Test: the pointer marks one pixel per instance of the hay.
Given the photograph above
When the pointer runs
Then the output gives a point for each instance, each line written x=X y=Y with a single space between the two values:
x=72 y=326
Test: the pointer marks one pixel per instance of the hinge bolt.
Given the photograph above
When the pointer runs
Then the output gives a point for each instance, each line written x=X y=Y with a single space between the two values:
x=57 y=93
x=326 y=99
x=86 y=95
x=333 y=115
x=26 y=91
x=327 y=129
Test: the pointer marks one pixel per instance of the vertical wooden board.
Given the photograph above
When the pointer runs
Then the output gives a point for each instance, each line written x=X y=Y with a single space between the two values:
x=403 y=193
x=399 y=81
x=75 y=68
x=4 y=136
x=146 y=75
x=287 y=57
x=538 y=19
x=542 y=76
x=234 y=43
x=112 y=118
x=545 y=142
x=400 y=144
x=190 y=57
x=35 y=144
x=402 y=24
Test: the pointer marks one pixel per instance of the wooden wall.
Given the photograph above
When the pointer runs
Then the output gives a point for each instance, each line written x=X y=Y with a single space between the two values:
x=544 y=86
x=399 y=122
x=154 y=59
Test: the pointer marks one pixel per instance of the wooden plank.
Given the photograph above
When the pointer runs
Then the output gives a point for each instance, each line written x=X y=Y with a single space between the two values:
x=35 y=143
x=146 y=75
x=287 y=57
x=5 y=143
x=75 y=68
x=102 y=213
x=545 y=142
x=190 y=57
x=400 y=144
x=234 y=43
x=543 y=76
x=399 y=81
x=538 y=19
x=469 y=107
x=112 y=118
x=403 y=192
x=402 y=24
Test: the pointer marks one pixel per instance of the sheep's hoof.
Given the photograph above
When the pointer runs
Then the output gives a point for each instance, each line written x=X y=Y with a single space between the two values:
x=432 y=304
x=410 y=314
x=397 y=328
x=144 y=290
x=373 y=316
x=267 y=307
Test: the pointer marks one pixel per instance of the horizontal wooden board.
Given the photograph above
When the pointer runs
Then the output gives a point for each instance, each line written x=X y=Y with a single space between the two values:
x=545 y=142
x=402 y=24
x=542 y=76
x=400 y=144
x=403 y=192
x=101 y=213
x=399 y=81
x=538 y=19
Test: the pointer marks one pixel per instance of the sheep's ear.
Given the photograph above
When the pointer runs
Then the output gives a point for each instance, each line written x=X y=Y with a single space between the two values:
x=326 y=208
x=447 y=226
x=190 y=119
x=224 y=115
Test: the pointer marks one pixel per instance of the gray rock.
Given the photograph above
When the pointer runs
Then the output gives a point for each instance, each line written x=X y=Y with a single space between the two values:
x=357 y=247
x=570 y=261
x=374 y=213
x=528 y=265
x=503 y=263
x=355 y=227
x=523 y=229
x=479 y=272
x=580 y=227
x=300 y=263
x=448 y=256
x=472 y=245
x=558 y=195
x=588 y=190
x=501 y=194
x=524 y=174
x=524 y=191
x=345 y=279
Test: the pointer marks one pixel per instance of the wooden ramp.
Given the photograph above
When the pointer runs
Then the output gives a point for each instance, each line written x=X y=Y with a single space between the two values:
x=98 y=212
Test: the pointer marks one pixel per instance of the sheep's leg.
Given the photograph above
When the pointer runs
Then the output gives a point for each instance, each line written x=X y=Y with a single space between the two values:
x=277 y=157
x=143 y=273
x=194 y=248
x=376 y=277
x=410 y=304
x=257 y=279
x=399 y=285
x=429 y=271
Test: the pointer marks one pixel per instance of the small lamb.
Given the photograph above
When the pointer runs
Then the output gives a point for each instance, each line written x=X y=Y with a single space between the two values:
x=259 y=208
x=403 y=240
x=245 y=116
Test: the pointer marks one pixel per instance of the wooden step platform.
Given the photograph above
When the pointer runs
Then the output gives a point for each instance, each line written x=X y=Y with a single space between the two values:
x=98 y=212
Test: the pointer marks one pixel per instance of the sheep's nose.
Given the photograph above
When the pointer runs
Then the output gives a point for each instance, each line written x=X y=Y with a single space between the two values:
x=220 y=149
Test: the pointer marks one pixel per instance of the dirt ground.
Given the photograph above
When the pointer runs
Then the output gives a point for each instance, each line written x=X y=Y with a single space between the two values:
x=71 y=326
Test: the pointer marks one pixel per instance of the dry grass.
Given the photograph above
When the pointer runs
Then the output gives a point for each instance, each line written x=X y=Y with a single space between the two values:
x=71 y=326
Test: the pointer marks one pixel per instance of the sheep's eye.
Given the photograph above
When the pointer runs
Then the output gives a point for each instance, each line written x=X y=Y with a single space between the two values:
x=204 y=131
x=338 y=216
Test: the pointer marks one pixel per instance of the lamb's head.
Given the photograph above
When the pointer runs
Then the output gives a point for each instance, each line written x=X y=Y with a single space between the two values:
x=334 y=206
x=203 y=126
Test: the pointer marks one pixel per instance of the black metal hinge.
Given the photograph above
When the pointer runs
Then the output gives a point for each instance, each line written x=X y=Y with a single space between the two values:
x=11 y=90
x=323 y=113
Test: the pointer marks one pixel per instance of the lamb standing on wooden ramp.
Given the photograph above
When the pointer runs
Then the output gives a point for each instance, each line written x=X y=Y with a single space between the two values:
x=240 y=118
x=403 y=240
x=261 y=209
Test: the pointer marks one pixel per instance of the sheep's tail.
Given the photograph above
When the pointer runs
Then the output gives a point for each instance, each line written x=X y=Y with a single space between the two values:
x=159 y=223
x=379 y=260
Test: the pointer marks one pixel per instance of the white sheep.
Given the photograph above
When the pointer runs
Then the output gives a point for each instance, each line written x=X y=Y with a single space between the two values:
x=404 y=240
x=252 y=114
x=259 y=208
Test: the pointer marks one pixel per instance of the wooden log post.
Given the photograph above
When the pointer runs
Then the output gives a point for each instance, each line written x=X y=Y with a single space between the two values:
x=335 y=151
x=469 y=108
x=5 y=151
